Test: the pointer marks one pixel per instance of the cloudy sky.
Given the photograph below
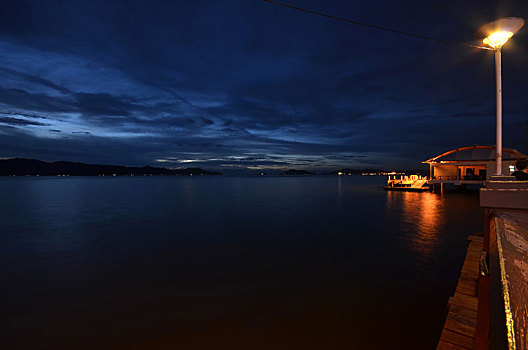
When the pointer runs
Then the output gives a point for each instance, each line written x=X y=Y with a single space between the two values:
x=233 y=85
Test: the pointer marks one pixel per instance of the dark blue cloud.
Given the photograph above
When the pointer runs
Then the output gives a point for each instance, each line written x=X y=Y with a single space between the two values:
x=239 y=85
x=20 y=122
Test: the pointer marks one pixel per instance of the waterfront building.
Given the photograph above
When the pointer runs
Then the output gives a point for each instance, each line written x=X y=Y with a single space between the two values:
x=470 y=165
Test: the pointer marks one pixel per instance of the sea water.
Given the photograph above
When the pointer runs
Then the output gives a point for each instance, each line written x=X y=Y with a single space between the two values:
x=319 y=262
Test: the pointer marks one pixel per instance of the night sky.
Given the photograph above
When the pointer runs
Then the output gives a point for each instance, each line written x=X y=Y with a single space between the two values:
x=245 y=85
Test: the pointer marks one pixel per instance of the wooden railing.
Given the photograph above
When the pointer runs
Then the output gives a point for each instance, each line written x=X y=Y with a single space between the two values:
x=503 y=286
x=454 y=177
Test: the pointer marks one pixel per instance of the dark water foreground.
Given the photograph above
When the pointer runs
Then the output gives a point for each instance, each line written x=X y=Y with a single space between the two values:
x=227 y=263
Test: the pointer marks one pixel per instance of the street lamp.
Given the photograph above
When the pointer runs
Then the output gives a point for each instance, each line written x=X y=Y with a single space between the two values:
x=495 y=35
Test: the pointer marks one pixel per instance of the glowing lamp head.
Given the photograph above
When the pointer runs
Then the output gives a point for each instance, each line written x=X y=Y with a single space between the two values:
x=497 y=39
x=497 y=33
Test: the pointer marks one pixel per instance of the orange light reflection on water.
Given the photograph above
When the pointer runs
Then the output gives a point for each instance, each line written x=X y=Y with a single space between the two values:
x=423 y=215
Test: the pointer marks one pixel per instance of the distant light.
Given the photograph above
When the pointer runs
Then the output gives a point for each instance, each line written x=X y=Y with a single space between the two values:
x=512 y=168
x=497 y=39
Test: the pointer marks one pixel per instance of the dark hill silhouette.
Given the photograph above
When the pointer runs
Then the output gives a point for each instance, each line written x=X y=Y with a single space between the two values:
x=23 y=167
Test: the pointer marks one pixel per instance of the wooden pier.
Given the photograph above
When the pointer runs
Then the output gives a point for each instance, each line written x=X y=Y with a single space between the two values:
x=461 y=321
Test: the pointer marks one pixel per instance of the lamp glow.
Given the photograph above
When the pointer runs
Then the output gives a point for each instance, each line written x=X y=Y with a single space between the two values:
x=497 y=39
x=498 y=32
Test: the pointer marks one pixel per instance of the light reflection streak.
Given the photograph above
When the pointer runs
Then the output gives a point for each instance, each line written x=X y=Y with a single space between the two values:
x=339 y=191
x=423 y=216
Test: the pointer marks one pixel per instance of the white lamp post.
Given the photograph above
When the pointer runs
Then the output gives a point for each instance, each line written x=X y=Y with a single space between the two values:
x=495 y=35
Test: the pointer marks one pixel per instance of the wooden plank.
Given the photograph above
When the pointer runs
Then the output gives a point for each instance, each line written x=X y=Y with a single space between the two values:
x=471 y=268
x=465 y=301
x=466 y=287
x=477 y=242
x=447 y=346
x=459 y=328
x=470 y=275
x=460 y=323
x=475 y=247
x=475 y=238
x=474 y=253
x=457 y=339
x=471 y=265
x=473 y=256
x=463 y=311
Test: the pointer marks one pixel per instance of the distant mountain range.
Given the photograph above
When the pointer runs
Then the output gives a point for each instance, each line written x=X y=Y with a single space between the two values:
x=34 y=167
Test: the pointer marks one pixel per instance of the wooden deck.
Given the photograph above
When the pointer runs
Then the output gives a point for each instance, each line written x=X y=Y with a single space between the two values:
x=461 y=321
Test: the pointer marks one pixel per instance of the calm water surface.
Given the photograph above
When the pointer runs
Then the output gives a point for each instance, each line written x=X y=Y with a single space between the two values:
x=227 y=263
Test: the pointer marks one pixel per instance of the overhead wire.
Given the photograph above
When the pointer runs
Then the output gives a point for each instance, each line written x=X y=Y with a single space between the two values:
x=373 y=26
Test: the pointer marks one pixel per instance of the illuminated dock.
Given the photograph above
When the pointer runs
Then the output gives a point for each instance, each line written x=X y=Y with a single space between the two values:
x=413 y=183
